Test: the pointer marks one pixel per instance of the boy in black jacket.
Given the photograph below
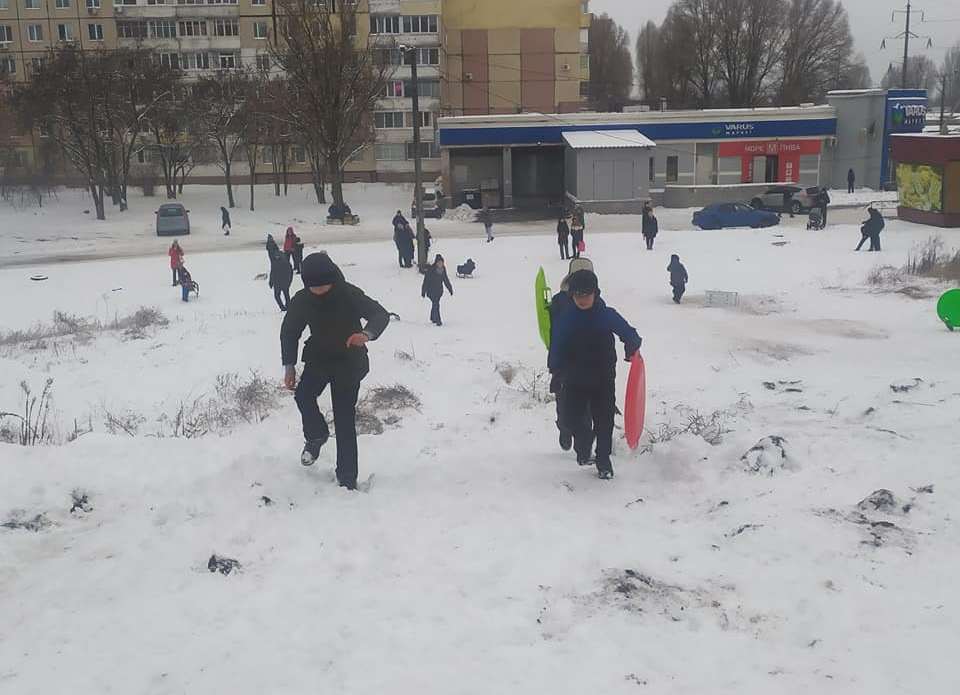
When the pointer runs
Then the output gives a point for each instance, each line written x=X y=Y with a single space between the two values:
x=334 y=355
x=281 y=275
x=678 y=278
x=583 y=358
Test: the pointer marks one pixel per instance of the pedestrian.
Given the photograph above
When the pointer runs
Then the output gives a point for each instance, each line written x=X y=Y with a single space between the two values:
x=563 y=237
x=823 y=200
x=649 y=226
x=297 y=253
x=871 y=228
x=434 y=280
x=427 y=240
x=562 y=302
x=186 y=284
x=176 y=261
x=272 y=247
x=409 y=251
x=487 y=220
x=289 y=240
x=678 y=278
x=334 y=356
x=225 y=221
x=399 y=234
x=576 y=235
x=851 y=180
x=399 y=220
x=281 y=275
x=583 y=357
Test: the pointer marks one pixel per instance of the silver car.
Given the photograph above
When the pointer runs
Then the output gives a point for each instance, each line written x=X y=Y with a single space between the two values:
x=792 y=199
x=172 y=218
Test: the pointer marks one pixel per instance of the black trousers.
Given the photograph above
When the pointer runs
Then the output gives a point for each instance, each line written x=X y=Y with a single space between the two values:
x=875 y=241
x=863 y=237
x=649 y=240
x=176 y=276
x=435 y=311
x=563 y=424
x=823 y=214
x=850 y=187
x=297 y=260
x=285 y=291
x=678 y=291
x=343 y=393
x=564 y=249
x=594 y=405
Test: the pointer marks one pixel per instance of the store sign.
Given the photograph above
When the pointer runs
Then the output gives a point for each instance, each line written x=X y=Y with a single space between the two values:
x=761 y=148
x=907 y=117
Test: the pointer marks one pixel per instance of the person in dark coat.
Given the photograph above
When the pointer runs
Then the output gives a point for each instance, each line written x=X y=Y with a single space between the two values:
x=871 y=229
x=486 y=217
x=186 y=283
x=678 y=277
x=851 y=180
x=583 y=358
x=335 y=355
x=576 y=237
x=563 y=237
x=281 y=275
x=272 y=247
x=823 y=200
x=650 y=226
x=225 y=221
x=297 y=253
x=409 y=251
x=399 y=220
x=399 y=236
x=434 y=280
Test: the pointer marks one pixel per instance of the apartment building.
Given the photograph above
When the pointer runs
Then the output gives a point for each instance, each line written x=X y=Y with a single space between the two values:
x=475 y=57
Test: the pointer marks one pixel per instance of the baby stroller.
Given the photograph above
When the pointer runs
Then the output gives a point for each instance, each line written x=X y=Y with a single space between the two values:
x=466 y=270
x=815 y=219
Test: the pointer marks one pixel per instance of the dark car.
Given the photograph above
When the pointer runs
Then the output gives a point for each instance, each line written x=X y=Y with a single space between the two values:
x=792 y=199
x=172 y=218
x=722 y=215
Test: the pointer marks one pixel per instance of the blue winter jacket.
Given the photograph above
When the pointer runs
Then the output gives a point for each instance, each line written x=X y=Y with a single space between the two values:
x=582 y=349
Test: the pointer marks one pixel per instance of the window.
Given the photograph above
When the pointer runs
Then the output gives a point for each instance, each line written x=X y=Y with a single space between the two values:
x=258 y=2
x=228 y=61
x=426 y=119
x=264 y=62
x=388 y=119
x=36 y=64
x=226 y=27
x=156 y=2
x=673 y=169
x=162 y=29
x=8 y=66
x=93 y=4
x=6 y=33
x=584 y=61
x=394 y=88
x=143 y=157
x=4 y=4
x=390 y=56
x=124 y=2
x=131 y=30
x=384 y=24
x=65 y=32
x=44 y=128
x=95 y=31
x=168 y=60
x=584 y=89
x=420 y=24
x=585 y=7
x=428 y=56
x=35 y=32
x=31 y=4
x=195 y=61
x=298 y=154
x=584 y=37
x=425 y=88
x=390 y=152
x=259 y=30
x=192 y=27
x=62 y=4
x=428 y=150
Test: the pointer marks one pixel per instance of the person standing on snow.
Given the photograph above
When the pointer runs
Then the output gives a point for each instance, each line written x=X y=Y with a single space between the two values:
x=563 y=238
x=871 y=229
x=576 y=235
x=335 y=355
x=176 y=261
x=186 y=284
x=434 y=280
x=297 y=253
x=583 y=358
x=823 y=200
x=851 y=180
x=487 y=218
x=678 y=278
x=649 y=226
x=289 y=240
x=225 y=221
x=281 y=275
x=399 y=220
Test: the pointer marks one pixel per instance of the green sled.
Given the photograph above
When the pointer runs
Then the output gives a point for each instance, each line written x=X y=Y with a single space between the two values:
x=543 y=307
x=948 y=308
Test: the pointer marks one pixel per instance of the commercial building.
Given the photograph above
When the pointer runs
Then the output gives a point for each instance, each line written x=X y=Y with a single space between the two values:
x=927 y=171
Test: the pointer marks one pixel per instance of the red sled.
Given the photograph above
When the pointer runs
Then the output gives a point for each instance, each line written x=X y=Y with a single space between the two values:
x=581 y=247
x=636 y=401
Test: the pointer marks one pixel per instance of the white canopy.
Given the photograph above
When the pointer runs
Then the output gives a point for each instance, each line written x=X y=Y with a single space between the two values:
x=603 y=139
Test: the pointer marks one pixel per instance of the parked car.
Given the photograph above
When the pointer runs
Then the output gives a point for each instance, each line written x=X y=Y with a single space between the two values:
x=172 y=218
x=722 y=215
x=792 y=199
x=432 y=205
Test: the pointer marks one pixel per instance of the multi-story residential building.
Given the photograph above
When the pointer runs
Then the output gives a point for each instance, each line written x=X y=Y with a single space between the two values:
x=494 y=56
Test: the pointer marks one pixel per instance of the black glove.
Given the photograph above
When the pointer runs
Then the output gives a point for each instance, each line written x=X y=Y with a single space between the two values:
x=556 y=383
x=630 y=350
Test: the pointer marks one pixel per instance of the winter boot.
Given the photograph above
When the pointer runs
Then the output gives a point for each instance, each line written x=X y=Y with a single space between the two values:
x=311 y=451
x=604 y=469
x=566 y=440
x=585 y=460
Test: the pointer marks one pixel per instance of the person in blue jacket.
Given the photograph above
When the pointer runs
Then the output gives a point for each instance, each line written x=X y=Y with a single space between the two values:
x=583 y=363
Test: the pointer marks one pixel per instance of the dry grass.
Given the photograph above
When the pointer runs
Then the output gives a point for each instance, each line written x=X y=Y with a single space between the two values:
x=933 y=260
x=84 y=328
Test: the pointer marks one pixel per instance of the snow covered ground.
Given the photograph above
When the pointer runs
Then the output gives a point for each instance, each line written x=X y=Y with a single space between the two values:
x=482 y=559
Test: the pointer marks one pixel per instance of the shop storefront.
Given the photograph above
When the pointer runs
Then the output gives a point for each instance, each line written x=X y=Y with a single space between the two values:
x=769 y=161
x=928 y=178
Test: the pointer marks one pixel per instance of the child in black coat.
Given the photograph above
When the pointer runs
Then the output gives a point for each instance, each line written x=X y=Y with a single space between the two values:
x=678 y=277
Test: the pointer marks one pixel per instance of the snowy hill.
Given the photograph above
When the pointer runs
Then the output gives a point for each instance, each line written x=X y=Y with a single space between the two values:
x=741 y=550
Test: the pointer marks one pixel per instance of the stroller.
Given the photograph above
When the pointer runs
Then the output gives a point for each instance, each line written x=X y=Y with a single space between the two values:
x=466 y=270
x=815 y=220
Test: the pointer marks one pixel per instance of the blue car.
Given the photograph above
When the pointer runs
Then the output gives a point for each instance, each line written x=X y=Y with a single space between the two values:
x=722 y=215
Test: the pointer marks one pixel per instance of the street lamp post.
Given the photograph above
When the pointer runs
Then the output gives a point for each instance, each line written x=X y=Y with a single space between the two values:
x=411 y=51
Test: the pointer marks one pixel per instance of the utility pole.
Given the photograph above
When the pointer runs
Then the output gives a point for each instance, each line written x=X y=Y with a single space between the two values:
x=906 y=49
x=417 y=163
x=906 y=35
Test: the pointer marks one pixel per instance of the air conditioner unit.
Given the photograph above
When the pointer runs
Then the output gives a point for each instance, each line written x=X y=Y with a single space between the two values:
x=565 y=67
x=468 y=76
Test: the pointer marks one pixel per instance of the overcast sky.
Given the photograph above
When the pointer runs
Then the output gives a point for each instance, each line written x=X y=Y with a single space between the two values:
x=869 y=23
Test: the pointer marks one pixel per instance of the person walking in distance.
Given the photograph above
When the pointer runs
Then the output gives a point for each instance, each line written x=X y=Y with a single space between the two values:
x=487 y=218
x=297 y=253
x=823 y=200
x=576 y=235
x=851 y=180
x=281 y=275
x=176 y=261
x=650 y=227
x=335 y=355
x=871 y=229
x=434 y=280
x=289 y=241
x=271 y=247
x=563 y=237
x=225 y=221
x=583 y=357
x=678 y=278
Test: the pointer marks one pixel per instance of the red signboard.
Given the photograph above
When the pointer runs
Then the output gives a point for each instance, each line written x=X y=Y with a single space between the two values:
x=761 y=148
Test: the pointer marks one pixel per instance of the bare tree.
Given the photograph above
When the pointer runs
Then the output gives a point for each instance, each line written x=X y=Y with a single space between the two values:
x=611 y=67
x=257 y=123
x=334 y=80
x=750 y=41
x=221 y=101
x=921 y=74
x=695 y=22
x=175 y=135
x=855 y=74
x=949 y=91
x=817 y=47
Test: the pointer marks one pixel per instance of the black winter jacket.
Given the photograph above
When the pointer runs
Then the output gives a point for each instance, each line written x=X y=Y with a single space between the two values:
x=678 y=273
x=563 y=232
x=650 y=226
x=332 y=319
x=281 y=273
x=434 y=282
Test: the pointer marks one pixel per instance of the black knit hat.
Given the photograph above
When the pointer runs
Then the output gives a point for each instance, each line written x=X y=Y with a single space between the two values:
x=583 y=282
x=318 y=269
